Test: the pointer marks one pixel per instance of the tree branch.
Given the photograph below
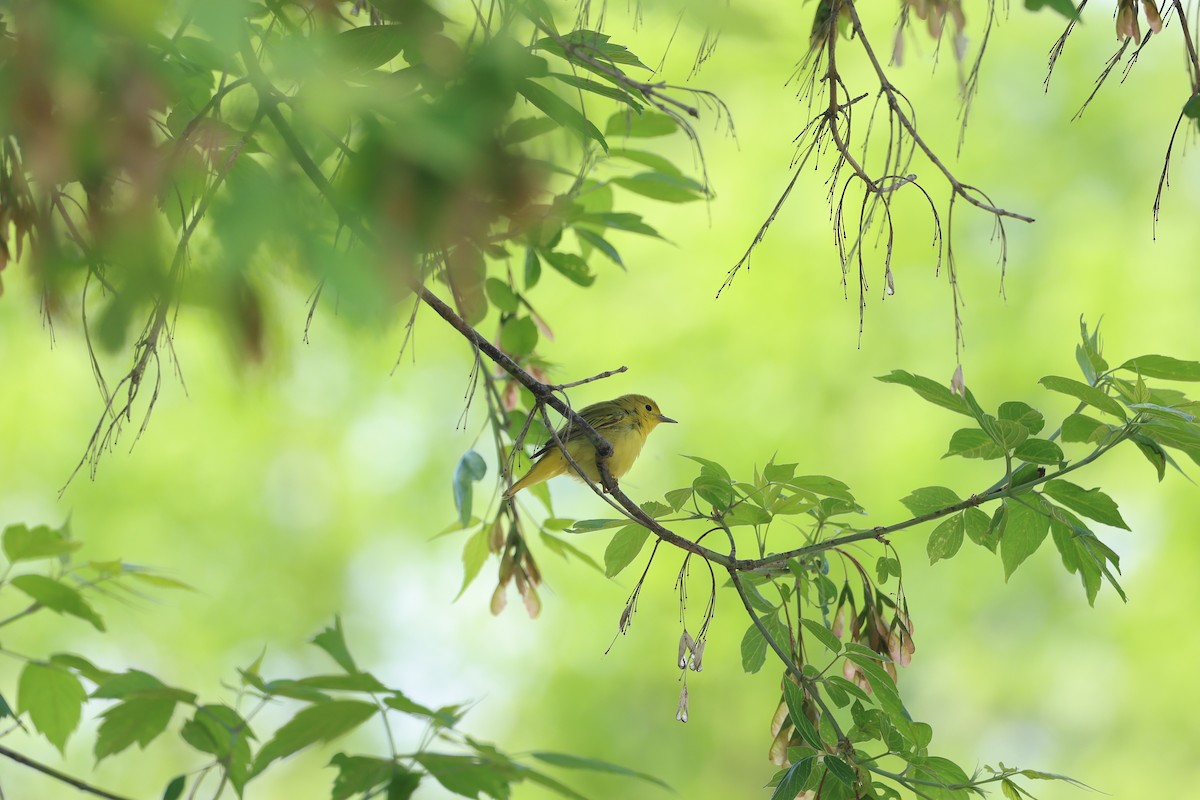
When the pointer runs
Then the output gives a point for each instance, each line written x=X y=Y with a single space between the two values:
x=58 y=776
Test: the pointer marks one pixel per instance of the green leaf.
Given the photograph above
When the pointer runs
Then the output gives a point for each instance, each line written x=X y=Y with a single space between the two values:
x=518 y=337
x=979 y=528
x=1064 y=7
x=619 y=220
x=320 y=722
x=884 y=688
x=568 y=761
x=27 y=544
x=677 y=497
x=1164 y=367
x=369 y=46
x=1006 y=433
x=662 y=186
x=655 y=509
x=1082 y=428
x=929 y=499
x=1082 y=391
x=1029 y=418
x=793 y=781
x=359 y=774
x=54 y=699
x=643 y=126
x=560 y=111
x=594 y=87
x=1191 y=109
x=471 y=468
x=221 y=732
x=1024 y=532
x=822 y=484
x=58 y=597
x=839 y=769
x=623 y=548
x=647 y=159
x=793 y=696
x=946 y=538
x=1153 y=453
x=1039 y=451
x=468 y=775
x=973 y=443
x=333 y=641
x=714 y=484
x=589 y=525
x=747 y=514
x=600 y=243
x=823 y=634
x=1091 y=503
x=754 y=647
x=475 y=553
x=526 y=128
x=574 y=268
x=139 y=719
x=501 y=295
x=931 y=390
x=175 y=788
x=533 y=268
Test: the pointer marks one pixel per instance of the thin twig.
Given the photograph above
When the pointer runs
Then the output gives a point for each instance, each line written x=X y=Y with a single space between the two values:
x=58 y=776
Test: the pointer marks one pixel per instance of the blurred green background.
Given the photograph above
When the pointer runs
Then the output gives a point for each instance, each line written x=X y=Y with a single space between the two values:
x=314 y=483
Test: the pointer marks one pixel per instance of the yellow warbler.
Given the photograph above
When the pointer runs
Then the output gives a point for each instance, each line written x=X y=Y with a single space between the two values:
x=624 y=423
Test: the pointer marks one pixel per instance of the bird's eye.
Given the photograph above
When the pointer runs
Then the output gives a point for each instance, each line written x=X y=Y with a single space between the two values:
x=648 y=408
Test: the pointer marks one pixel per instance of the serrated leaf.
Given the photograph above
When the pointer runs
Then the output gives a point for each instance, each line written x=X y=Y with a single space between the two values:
x=677 y=497
x=822 y=484
x=623 y=548
x=1164 y=367
x=560 y=111
x=1039 y=451
x=22 y=543
x=1030 y=418
x=1082 y=428
x=1091 y=503
x=57 y=596
x=1006 y=433
x=1084 y=392
x=139 y=719
x=467 y=776
x=931 y=390
x=320 y=722
x=221 y=732
x=54 y=699
x=747 y=514
x=359 y=774
x=1024 y=532
x=973 y=443
x=333 y=641
x=929 y=499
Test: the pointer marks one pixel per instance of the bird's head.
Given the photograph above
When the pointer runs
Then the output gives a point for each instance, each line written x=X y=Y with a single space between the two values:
x=644 y=409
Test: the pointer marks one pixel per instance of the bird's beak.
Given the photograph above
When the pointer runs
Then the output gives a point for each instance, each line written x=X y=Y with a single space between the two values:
x=662 y=418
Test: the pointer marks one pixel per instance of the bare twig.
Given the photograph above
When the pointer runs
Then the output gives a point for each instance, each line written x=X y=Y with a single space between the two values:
x=58 y=776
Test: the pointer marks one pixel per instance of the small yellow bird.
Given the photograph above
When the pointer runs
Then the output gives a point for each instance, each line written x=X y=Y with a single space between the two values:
x=624 y=423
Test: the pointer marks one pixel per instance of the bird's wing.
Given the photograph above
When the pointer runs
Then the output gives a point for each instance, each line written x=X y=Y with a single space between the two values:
x=600 y=416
